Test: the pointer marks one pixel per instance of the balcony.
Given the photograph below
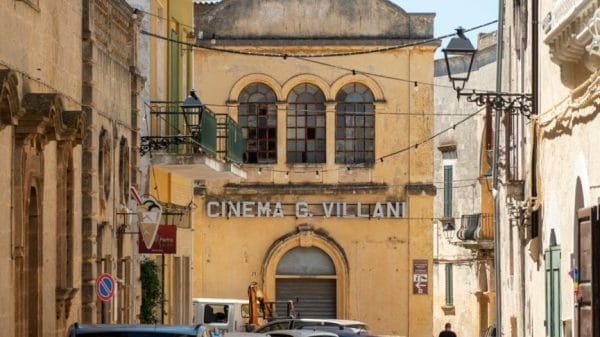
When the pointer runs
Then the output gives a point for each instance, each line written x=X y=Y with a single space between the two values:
x=193 y=141
x=570 y=30
x=476 y=231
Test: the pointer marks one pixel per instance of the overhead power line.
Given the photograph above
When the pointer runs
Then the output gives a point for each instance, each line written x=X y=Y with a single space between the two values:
x=285 y=55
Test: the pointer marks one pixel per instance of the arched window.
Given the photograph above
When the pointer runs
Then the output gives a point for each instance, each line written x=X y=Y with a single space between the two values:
x=104 y=167
x=257 y=116
x=354 y=125
x=306 y=125
x=124 y=171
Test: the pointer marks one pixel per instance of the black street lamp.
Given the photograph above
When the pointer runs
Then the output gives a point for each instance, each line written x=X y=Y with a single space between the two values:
x=448 y=229
x=460 y=49
x=192 y=109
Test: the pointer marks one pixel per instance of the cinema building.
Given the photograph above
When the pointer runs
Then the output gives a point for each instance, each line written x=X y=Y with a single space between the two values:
x=335 y=210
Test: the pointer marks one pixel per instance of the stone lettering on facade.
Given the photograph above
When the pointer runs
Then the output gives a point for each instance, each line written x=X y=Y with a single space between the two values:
x=303 y=209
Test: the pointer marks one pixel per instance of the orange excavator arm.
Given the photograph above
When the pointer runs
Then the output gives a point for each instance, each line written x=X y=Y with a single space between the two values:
x=256 y=298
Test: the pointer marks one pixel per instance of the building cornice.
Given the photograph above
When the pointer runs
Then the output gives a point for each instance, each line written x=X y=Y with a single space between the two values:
x=253 y=189
x=569 y=31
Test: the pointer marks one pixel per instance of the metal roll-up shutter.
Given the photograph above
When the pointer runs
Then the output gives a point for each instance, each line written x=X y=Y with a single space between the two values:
x=316 y=298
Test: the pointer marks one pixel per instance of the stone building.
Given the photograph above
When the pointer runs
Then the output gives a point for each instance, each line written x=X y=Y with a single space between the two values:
x=111 y=84
x=67 y=125
x=463 y=268
x=336 y=207
x=41 y=132
x=549 y=196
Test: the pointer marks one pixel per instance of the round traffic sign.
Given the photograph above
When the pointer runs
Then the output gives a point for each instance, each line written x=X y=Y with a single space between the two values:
x=105 y=287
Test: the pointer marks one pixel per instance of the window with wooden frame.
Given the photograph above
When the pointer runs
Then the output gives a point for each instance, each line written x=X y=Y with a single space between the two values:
x=354 y=125
x=306 y=125
x=257 y=116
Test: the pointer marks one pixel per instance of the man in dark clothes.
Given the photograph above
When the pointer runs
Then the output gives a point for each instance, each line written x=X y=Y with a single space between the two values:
x=447 y=332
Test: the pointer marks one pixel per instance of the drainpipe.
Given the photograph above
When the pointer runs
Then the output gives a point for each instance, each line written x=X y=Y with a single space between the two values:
x=495 y=192
x=535 y=106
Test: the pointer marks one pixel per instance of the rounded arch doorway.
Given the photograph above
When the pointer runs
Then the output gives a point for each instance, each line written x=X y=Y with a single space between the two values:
x=309 y=268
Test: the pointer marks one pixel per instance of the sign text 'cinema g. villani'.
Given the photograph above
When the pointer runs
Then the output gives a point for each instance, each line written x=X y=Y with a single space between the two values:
x=268 y=209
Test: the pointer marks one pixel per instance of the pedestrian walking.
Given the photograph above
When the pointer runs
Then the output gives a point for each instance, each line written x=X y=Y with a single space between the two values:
x=447 y=332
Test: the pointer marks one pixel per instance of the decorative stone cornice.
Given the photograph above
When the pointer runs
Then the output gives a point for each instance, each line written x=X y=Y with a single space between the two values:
x=45 y=115
x=569 y=29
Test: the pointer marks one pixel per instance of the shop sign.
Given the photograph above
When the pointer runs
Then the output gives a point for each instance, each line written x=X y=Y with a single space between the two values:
x=164 y=243
x=420 y=277
x=267 y=209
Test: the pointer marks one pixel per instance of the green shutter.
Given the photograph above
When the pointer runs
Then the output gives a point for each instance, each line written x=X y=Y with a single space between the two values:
x=173 y=86
x=448 y=191
x=449 y=285
x=553 y=296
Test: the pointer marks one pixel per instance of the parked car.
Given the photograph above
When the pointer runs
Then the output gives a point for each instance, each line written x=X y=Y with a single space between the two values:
x=301 y=333
x=130 y=330
x=337 y=326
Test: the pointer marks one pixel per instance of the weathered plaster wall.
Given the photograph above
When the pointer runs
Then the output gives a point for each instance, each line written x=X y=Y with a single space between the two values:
x=297 y=19
x=466 y=194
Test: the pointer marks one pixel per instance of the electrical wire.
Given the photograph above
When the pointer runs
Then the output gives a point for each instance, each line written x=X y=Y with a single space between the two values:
x=285 y=56
x=136 y=9
x=309 y=57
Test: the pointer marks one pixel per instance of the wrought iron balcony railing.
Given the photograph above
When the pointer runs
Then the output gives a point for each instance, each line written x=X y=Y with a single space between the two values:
x=186 y=131
x=476 y=227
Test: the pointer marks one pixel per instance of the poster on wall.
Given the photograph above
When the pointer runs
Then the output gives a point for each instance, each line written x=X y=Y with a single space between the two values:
x=420 y=284
x=164 y=243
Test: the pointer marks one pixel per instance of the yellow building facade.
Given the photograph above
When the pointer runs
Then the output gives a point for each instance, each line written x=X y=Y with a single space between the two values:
x=168 y=69
x=336 y=209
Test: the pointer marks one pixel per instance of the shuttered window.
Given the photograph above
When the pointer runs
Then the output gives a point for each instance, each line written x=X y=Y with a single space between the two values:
x=552 y=261
x=316 y=298
x=449 y=286
x=448 y=191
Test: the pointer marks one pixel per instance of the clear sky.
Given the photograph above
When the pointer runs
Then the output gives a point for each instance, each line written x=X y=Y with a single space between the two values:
x=453 y=13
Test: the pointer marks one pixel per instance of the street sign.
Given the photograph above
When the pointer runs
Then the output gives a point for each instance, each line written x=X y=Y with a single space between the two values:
x=420 y=277
x=149 y=216
x=105 y=287
x=164 y=243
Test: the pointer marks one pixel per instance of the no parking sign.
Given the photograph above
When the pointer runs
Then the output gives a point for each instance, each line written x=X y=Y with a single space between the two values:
x=105 y=287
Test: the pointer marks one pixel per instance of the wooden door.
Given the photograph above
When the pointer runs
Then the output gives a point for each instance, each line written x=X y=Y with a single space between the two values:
x=588 y=264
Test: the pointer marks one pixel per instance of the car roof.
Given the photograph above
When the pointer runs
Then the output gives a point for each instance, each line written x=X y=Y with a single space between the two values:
x=334 y=321
x=319 y=320
x=301 y=333
x=218 y=300
x=83 y=329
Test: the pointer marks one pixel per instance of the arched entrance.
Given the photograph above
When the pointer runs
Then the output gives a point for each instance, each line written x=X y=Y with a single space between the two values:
x=307 y=273
x=310 y=267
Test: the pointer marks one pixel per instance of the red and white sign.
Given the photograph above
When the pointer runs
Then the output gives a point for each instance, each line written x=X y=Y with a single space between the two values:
x=105 y=287
x=164 y=243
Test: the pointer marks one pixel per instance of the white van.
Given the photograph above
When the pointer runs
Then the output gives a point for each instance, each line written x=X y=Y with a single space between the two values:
x=225 y=315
